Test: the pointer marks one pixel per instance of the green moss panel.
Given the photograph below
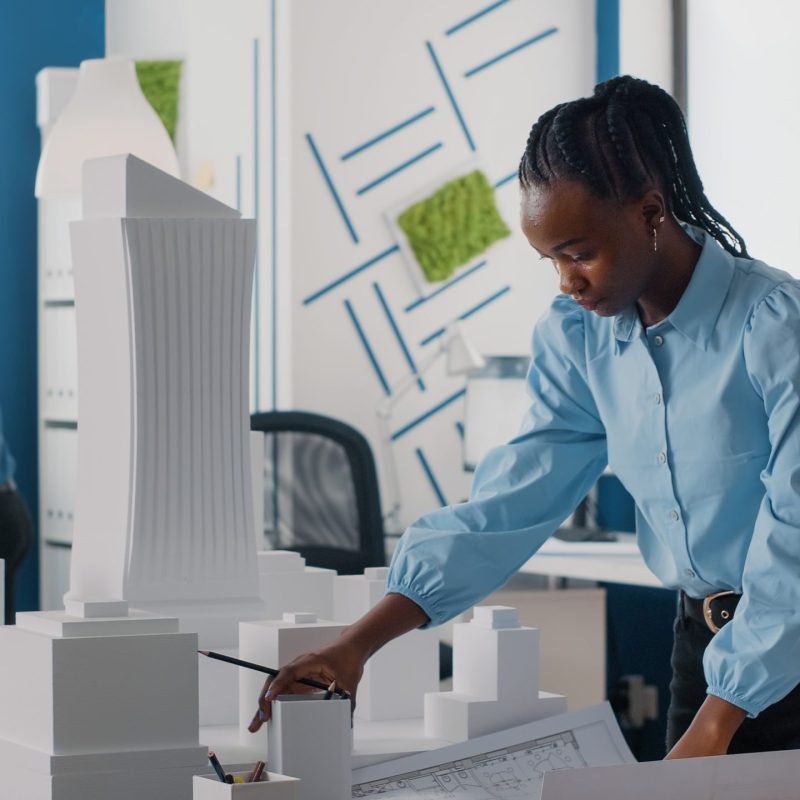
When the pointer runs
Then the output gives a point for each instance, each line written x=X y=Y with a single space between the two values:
x=160 y=82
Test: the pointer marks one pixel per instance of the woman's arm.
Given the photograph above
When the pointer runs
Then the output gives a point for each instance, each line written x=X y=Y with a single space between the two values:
x=711 y=730
x=343 y=661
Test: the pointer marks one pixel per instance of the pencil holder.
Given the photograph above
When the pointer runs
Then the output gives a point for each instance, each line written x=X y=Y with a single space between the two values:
x=278 y=787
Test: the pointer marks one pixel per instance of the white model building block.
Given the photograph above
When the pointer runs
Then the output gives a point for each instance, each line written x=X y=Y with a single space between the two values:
x=96 y=713
x=311 y=739
x=399 y=675
x=276 y=787
x=274 y=643
x=495 y=679
x=286 y=584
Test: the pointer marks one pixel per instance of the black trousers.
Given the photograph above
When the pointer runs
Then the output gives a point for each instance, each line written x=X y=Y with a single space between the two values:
x=775 y=728
x=16 y=532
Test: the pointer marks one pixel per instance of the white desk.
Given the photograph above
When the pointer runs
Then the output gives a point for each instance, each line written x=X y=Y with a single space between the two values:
x=606 y=562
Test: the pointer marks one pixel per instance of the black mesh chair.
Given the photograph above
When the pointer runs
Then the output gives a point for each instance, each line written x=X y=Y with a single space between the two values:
x=321 y=495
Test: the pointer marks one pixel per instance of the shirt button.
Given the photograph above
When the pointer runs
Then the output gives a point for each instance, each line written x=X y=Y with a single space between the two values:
x=690 y=573
x=662 y=459
x=674 y=516
x=657 y=398
x=658 y=341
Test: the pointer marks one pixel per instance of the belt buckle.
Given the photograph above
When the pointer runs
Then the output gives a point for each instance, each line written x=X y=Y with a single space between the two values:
x=707 y=615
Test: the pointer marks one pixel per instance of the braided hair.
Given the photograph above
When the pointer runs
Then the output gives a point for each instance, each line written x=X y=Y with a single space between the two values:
x=627 y=136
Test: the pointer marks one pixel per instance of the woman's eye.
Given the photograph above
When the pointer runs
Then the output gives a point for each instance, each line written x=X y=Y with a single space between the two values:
x=583 y=257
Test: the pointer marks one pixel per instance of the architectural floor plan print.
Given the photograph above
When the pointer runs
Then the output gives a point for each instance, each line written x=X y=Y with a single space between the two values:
x=509 y=765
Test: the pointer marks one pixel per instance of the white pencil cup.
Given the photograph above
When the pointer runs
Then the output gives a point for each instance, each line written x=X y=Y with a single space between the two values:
x=278 y=787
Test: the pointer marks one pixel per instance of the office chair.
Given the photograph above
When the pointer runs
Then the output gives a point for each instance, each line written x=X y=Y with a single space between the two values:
x=320 y=487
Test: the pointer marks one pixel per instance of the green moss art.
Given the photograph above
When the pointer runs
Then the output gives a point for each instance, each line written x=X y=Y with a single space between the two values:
x=458 y=222
x=160 y=81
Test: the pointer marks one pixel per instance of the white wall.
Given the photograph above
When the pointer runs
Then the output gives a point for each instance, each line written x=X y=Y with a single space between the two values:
x=344 y=72
x=744 y=119
x=645 y=40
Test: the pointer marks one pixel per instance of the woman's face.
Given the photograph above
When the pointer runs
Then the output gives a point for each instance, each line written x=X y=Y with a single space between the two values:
x=603 y=251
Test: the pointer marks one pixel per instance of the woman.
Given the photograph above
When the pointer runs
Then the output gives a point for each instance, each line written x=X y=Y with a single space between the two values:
x=673 y=357
x=15 y=526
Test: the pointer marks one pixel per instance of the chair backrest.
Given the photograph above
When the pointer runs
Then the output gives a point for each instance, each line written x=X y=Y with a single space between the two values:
x=321 y=496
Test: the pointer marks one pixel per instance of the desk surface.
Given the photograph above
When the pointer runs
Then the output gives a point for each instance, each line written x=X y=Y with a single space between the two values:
x=606 y=562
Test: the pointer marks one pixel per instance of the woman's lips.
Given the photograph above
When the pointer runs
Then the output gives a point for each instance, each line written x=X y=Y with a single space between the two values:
x=589 y=305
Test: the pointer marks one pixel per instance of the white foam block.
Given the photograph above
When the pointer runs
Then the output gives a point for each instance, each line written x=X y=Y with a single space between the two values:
x=274 y=643
x=287 y=584
x=277 y=787
x=457 y=717
x=398 y=676
x=94 y=694
x=311 y=739
x=62 y=624
x=354 y=595
x=496 y=663
x=93 y=609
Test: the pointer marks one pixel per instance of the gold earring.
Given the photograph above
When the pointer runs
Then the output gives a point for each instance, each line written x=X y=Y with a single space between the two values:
x=655 y=234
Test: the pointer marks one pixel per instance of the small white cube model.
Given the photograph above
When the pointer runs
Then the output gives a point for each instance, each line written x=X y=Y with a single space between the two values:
x=287 y=584
x=274 y=643
x=96 y=706
x=495 y=679
x=398 y=676
x=311 y=739
x=276 y=787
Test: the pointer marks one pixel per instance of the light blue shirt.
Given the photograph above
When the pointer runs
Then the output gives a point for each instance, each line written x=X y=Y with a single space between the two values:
x=6 y=461
x=699 y=417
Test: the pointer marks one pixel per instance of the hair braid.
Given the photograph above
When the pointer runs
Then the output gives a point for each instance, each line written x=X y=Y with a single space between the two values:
x=629 y=135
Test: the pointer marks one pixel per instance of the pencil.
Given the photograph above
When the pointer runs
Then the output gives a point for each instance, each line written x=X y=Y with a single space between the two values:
x=214 y=761
x=257 y=772
x=268 y=670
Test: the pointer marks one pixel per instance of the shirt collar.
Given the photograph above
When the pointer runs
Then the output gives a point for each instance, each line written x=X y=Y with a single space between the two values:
x=697 y=311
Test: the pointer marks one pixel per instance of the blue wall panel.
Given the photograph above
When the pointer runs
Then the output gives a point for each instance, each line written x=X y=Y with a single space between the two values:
x=33 y=35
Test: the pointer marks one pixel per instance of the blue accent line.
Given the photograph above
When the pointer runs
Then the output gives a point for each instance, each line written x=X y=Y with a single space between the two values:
x=533 y=40
x=381 y=136
x=466 y=273
x=478 y=15
x=238 y=183
x=398 y=335
x=607 y=27
x=256 y=192
x=437 y=490
x=460 y=429
x=274 y=200
x=367 y=347
x=505 y=180
x=399 y=168
x=428 y=414
x=353 y=272
x=468 y=313
x=332 y=188
x=451 y=96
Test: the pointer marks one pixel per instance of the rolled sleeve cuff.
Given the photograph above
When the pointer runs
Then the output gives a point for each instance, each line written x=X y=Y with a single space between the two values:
x=747 y=706
x=425 y=603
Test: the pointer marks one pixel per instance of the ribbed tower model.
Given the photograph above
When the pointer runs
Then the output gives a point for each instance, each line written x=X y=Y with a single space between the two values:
x=163 y=279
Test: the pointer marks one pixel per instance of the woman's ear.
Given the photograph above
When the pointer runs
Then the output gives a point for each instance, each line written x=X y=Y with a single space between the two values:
x=653 y=208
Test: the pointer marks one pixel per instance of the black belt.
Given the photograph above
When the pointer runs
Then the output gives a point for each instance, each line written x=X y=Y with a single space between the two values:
x=713 y=611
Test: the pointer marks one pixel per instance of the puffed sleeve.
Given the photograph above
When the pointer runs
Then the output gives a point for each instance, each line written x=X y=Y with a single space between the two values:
x=452 y=558
x=754 y=660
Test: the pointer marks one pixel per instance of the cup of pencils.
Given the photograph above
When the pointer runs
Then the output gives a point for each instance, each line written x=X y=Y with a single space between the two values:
x=255 y=784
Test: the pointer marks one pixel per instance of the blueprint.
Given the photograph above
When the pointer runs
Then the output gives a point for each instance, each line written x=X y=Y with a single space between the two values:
x=507 y=765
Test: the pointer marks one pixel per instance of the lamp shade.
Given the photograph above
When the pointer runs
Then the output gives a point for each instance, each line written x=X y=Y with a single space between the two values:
x=107 y=115
x=462 y=355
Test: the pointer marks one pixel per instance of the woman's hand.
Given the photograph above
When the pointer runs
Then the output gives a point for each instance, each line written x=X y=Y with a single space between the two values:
x=342 y=662
x=711 y=730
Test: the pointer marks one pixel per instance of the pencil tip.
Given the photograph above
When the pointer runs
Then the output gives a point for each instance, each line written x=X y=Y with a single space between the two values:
x=203 y=652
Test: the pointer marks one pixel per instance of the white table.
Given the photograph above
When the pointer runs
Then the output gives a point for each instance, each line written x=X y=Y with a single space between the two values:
x=606 y=562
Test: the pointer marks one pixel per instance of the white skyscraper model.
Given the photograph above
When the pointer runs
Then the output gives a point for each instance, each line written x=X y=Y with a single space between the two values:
x=164 y=516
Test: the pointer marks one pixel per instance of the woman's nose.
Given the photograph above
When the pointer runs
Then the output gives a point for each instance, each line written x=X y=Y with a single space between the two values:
x=569 y=283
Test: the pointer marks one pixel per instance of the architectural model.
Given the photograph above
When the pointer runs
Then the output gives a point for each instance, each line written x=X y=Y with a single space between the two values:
x=98 y=702
x=495 y=679
x=287 y=584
